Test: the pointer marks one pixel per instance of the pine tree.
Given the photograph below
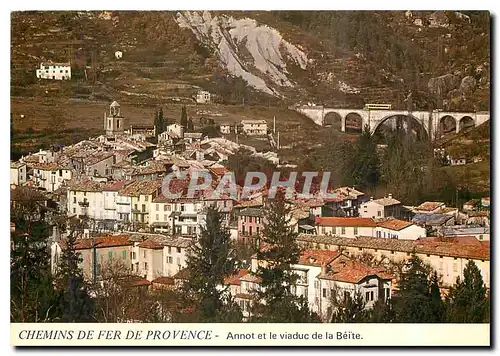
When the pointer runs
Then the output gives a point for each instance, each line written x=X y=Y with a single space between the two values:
x=184 y=118
x=76 y=303
x=467 y=301
x=364 y=165
x=275 y=302
x=209 y=263
x=414 y=302
x=32 y=297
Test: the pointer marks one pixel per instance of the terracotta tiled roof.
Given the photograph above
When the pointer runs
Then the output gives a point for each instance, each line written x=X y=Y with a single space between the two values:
x=176 y=186
x=85 y=186
x=436 y=248
x=250 y=203
x=429 y=206
x=317 y=257
x=348 y=191
x=97 y=157
x=310 y=203
x=31 y=159
x=394 y=224
x=151 y=244
x=153 y=167
x=134 y=281
x=447 y=210
x=235 y=279
x=352 y=271
x=249 y=212
x=159 y=241
x=17 y=164
x=143 y=187
x=46 y=166
x=451 y=239
x=219 y=171
x=339 y=221
x=164 y=280
x=102 y=242
x=386 y=201
x=251 y=278
x=478 y=214
x=117 y=185
x=472 y=202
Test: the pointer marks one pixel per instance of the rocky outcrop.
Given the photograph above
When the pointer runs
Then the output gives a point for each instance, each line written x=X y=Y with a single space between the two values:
x=468 y=85
x=443 y=84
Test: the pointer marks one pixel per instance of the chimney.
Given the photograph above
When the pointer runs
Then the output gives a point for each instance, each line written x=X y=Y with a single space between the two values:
x=371 y=198
x=323 y=268
x=390 y=196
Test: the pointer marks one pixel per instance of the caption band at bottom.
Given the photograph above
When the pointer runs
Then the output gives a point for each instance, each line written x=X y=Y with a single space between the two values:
x=28 y=334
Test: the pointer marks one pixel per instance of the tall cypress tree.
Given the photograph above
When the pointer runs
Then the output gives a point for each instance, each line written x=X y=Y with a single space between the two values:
x=184 y=117
x=76 y=304
x=209 y=263
x=437 y=304
x=467 y=301
x=276 y=302
x=159 y=121
x=190 y=125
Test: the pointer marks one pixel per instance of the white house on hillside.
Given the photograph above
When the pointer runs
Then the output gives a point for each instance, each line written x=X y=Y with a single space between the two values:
x=345 y=227
x=54 y=71
x=399 y=229
x=254 y=127
x=203 y=97
x=389 y=228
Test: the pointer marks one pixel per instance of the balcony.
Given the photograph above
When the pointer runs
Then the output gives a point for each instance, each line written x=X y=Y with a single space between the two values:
x=84 y=203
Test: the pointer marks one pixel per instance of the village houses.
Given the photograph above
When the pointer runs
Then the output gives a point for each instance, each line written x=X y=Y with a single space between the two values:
x=18 y=173
x=381 y=208
x=50 y=176
x=447 y=257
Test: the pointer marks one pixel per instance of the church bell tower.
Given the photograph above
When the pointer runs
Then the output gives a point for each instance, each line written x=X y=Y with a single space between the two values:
x=114 y=122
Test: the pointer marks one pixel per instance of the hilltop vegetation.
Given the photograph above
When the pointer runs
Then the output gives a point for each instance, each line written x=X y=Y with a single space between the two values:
x=353 y=57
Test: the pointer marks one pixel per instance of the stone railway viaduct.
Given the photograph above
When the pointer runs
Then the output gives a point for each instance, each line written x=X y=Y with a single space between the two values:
x=431 y=121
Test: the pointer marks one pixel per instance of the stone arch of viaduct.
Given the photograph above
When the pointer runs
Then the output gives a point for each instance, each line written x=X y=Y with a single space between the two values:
x=430 y=121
